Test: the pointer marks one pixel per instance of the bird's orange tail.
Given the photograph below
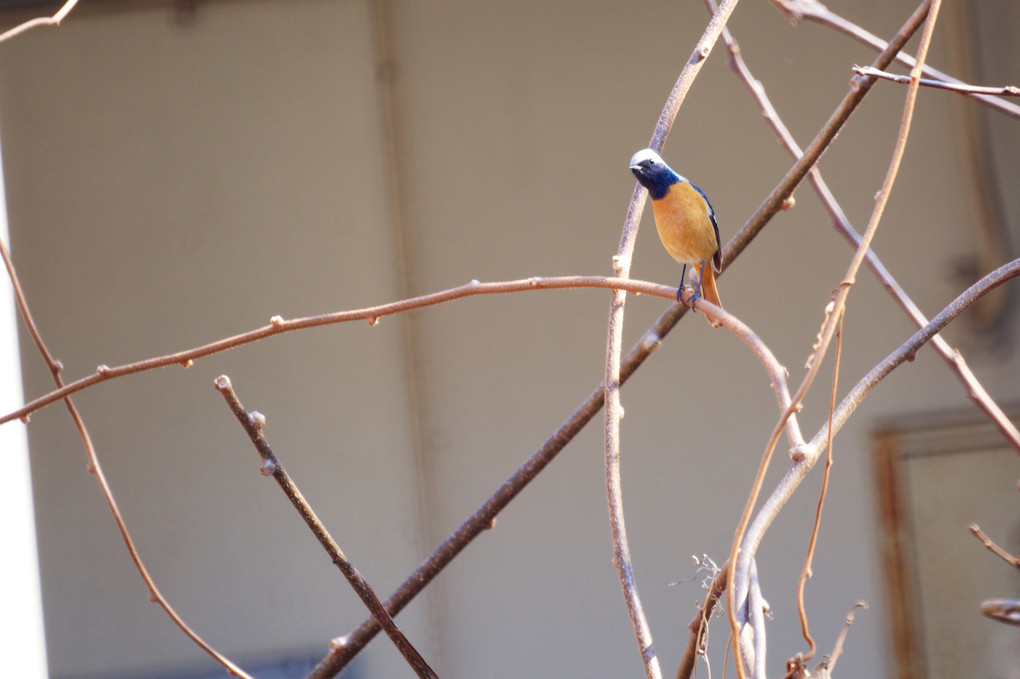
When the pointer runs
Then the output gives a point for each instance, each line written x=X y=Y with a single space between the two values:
x=708 y=288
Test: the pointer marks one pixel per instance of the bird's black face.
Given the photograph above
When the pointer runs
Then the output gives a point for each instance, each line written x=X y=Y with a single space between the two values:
x=653 y=173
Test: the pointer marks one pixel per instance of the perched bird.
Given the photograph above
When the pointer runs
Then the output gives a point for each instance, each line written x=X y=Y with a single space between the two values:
x=684 y=219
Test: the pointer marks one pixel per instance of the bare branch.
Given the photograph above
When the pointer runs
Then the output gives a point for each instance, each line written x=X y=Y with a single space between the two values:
x=40 y=21
x=837 y=649
x=254 y=425
x=952 y=357
x=796 y=667
x=614 y=347
x=963 y=88
x=738 y=587
x=343 y=649
x=96 y=470
x=1003 y=610
x=806 y=572
x=1012 y=559
x=278 y=326
x=904 y=353
x=798 y=10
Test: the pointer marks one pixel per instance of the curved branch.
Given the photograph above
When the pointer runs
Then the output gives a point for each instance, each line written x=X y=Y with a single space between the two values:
x=614 y=347
x=278 y=326
x=96 y=470
x=54 y=20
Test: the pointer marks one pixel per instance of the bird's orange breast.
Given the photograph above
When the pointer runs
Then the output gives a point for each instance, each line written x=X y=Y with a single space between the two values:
x=684 y=224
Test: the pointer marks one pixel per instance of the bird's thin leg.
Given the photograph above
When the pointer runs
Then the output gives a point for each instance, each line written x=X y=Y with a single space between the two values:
x=697 y=293
x=683 y=279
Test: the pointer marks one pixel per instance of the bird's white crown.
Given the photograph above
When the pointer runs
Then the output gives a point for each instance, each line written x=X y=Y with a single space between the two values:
x=646 y=154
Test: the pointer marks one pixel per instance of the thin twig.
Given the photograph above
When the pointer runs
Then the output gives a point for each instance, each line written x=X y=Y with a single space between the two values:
x=758 y=91
x=952 y=357
x=96 y=470
x=835 y=316
x=699 y=625
x=1012 y=559
x=928 y=10
x=837 y=648
x=963 y=88
x=40 y=21
x=796 y=667
x=614 y=347
x=806 y=572
x=798 y=10
x=278 y=326
x=254 y=425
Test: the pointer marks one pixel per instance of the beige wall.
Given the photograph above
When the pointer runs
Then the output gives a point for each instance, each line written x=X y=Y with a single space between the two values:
x=172 y=184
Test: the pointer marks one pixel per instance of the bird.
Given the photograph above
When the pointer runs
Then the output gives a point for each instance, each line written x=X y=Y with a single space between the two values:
x=684 y=219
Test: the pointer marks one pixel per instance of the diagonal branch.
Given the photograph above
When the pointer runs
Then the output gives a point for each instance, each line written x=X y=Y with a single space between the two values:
x=254 y=424
x=798 y=10
x=345 y=648
x=1012 y=559
x=40 y=21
